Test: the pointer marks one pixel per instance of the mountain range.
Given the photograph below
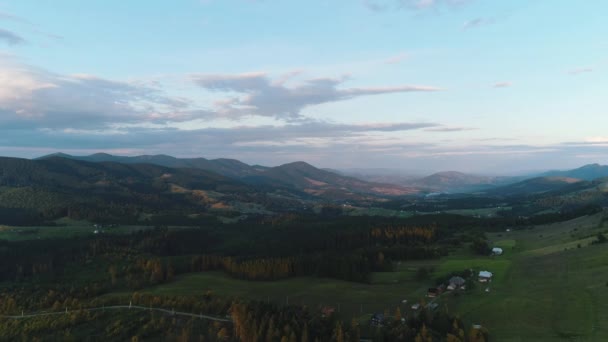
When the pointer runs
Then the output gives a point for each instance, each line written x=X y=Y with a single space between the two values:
x=298 y=176
x=337 y=184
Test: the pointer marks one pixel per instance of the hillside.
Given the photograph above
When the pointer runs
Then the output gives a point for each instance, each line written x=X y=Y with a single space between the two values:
x=226 y=167
x=539 y=185
x=587 y=172
x=305 y=177
x=453 y=181
x=55 y=187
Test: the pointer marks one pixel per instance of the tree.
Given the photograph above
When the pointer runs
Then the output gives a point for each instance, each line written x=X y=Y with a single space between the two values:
x=398 y=314
x=338 y=334
x=304 y=337
x=601 y=238
x=480 y=246
x=113 y=274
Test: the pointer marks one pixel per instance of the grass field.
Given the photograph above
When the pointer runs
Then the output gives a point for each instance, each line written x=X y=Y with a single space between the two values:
x=547 y=293
x=351 y=299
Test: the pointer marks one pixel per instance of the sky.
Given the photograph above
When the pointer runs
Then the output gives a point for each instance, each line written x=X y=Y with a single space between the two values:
x=482 y=86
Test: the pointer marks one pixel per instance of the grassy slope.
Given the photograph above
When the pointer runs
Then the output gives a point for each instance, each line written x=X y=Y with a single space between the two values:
x=547 y=293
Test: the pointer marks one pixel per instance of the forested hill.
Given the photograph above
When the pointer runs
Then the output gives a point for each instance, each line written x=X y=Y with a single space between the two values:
x=67 y=175
x=57 y=187
x=307 y=178
x=587 y=172
x=227 y=167
x=297 y=176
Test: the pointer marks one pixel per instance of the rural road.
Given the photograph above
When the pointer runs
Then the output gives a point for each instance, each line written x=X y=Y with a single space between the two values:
x=122 y=307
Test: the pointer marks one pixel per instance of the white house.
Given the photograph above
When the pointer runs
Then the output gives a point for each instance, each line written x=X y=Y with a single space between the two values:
x=496 y=251
x=485 y=276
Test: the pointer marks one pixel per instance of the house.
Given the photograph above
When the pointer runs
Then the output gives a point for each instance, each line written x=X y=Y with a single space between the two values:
x=327 y=311
x=432 y=292
x=377 y=319
x=496 y=251
x=416 y=306
x=485 y=276
x=456 y=283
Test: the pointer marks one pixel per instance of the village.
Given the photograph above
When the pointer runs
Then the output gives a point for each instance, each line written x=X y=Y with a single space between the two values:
x=455 y=284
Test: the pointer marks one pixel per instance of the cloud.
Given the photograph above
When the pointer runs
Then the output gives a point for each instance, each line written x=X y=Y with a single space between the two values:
x=450 y=129
x=578 y=71
x=396 y=59
x=416 y=5
x=257 y=94
x=375 y=6
x=221 y=142
x=35 y=98
x=11 y=17
x=477 y=22
x=11 y=38
x=502 y=85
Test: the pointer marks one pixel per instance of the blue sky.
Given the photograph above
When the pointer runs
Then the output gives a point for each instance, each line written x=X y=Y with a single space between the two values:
x=420 y=85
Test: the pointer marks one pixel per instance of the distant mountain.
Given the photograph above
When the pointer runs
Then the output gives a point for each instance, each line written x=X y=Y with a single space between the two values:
x=457 y=181
x=307 y=178
x=447 y=181
x=226 y=167
x=377 y=175
x=539 y=185
x=587 y=172
x=298 y=176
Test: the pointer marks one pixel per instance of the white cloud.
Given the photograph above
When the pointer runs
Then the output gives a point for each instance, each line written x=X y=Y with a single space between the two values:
x=257 y=94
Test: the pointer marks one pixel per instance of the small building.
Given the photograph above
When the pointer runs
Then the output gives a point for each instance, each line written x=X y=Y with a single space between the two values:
x=456 y=283
x=496 y=251
x=377 y=319
x=485 y=276
x=416 y=306
x=432 y=292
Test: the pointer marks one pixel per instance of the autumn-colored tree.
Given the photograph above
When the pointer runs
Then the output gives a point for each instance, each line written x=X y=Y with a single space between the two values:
x=398 y=314
x=338 y=334
x=304 y=337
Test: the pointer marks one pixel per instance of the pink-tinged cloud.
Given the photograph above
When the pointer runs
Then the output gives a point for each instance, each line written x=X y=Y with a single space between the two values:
x=396 y=59
x=502 y=85
x=578 y=71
